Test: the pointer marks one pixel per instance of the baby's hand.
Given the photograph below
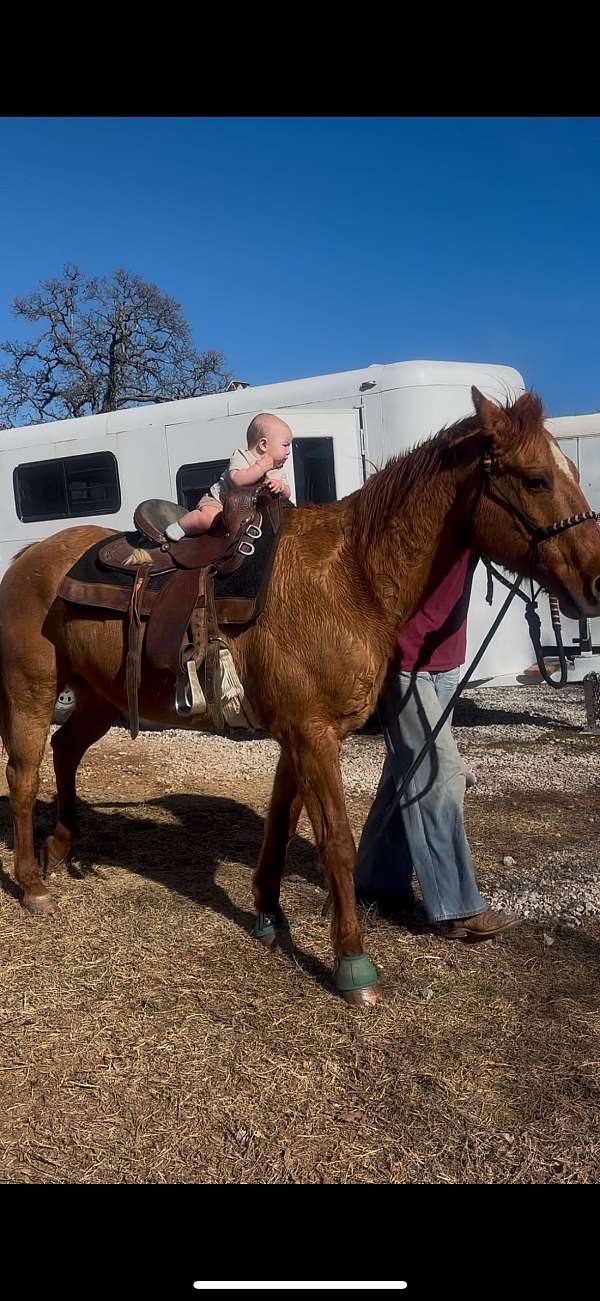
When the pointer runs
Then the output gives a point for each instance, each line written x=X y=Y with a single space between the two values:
x=266 y=462
x=275 y=486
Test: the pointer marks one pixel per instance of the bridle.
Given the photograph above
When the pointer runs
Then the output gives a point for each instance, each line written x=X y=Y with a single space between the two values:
x=490 y=488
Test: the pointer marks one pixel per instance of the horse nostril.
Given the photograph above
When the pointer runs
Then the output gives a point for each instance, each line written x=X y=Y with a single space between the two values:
x=596 y=587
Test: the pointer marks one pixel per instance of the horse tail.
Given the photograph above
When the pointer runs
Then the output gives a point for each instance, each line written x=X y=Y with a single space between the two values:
x=3 y=709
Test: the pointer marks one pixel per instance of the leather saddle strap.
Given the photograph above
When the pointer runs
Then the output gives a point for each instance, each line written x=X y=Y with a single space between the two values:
x=212 y=669
x=134 y=648
x=212 y=624
x=198 y=630
x=195 y=627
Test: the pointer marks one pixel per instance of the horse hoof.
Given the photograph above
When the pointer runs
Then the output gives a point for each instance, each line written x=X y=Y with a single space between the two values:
x=268 y=939
x=40 y=904
x=355 y=978
x=361 y=997
x=271 y=928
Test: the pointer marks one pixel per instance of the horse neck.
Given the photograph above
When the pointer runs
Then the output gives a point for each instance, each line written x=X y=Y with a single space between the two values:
x=405 y=560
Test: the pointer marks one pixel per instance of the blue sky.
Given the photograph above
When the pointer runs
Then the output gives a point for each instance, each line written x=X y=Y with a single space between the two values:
x=299 y=246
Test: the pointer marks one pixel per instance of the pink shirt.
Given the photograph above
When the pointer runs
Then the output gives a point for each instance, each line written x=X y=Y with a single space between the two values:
x=435 y=637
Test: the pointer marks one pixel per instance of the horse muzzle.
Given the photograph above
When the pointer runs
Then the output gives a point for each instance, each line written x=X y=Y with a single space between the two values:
x=584 y=605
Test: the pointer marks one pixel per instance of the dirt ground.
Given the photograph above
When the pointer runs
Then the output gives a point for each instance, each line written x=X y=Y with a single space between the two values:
x=146 y=1038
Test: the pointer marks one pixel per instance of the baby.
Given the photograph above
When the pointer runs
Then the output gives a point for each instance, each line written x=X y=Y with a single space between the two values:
x=269 y=441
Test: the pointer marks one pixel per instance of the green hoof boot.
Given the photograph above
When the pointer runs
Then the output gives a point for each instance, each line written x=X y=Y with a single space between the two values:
x=356 y=979
x=270 y=926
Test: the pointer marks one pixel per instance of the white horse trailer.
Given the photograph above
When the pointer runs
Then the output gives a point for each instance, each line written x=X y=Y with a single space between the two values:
x=96 y=469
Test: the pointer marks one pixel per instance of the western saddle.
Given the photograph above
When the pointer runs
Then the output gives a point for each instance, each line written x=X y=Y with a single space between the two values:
x=171 y=604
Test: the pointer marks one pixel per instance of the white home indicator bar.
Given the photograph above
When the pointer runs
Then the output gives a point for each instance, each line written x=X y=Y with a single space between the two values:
x=299 y=1287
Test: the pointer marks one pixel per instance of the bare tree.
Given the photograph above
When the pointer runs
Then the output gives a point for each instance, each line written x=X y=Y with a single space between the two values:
x=105 y=344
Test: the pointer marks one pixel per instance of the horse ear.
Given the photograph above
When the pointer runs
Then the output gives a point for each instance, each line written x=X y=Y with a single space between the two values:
x=493 y=419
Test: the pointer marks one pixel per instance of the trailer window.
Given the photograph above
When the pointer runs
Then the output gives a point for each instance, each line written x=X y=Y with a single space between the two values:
x=314 y=471
x=196 y=479
x=67 y=487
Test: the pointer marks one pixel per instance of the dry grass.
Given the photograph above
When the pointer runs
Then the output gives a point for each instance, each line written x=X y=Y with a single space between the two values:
x=144 y=1037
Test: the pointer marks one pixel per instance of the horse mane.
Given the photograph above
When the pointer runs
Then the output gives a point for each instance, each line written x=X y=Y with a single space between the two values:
x=381 y=497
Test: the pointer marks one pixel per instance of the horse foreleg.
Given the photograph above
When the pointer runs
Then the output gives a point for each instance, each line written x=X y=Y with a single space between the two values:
x=89 y=721
x=282 y=819
x=317 y=766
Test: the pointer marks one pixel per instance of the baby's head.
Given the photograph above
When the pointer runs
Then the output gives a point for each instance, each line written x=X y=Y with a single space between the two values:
x=267 y=433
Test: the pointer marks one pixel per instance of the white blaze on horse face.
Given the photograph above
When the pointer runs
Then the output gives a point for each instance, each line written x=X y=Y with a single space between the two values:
x=560 y=458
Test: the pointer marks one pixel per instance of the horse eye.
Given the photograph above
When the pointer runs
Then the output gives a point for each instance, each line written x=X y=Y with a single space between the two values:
x=537 y=483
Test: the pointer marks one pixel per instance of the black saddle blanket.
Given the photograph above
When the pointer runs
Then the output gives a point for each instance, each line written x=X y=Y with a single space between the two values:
x=249 y=581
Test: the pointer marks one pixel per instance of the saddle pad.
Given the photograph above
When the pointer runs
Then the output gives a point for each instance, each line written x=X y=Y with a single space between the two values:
x=91 y=583
x=88 y=573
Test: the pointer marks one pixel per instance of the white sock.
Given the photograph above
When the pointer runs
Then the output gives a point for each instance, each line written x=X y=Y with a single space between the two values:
x=174 y=532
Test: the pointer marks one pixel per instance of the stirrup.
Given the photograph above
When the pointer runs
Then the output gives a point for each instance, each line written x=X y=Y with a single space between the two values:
x=189 y=696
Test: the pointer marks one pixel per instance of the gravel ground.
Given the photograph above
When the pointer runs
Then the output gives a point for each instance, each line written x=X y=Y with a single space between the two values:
x=525 y=746
x=538 y=750
x=148 y=1039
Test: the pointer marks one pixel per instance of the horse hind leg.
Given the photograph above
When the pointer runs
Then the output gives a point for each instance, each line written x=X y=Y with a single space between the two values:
x=90 y=720
x=25 y=732
x=282 y=819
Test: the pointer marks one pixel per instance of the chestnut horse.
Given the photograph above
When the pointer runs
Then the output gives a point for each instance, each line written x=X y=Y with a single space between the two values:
x=345 y=577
